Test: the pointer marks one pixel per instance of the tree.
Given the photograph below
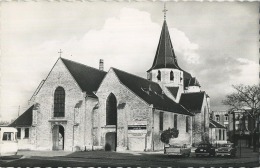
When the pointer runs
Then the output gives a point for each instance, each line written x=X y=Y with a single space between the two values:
x=168 y=134
x=246 y=98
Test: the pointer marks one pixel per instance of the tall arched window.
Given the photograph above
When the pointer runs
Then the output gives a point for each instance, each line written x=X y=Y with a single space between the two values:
x=171 y=76
x=111 y=110
x=159 y=75
x=59 y=102
x=187 y=124
x=175 y=121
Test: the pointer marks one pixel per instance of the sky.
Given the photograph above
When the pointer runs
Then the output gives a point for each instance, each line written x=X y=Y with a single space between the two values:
x=217 y=42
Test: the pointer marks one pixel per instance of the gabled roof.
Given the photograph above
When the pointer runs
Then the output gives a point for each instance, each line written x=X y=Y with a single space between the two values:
x=173 y=90
x=214 y=124
x=88 y=78
x=24 y=120
x=150 y=92
x=165 y=56
x=192 y=101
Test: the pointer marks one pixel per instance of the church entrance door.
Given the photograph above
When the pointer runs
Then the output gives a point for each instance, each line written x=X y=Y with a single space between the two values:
x=110 y=141
x=58 y=137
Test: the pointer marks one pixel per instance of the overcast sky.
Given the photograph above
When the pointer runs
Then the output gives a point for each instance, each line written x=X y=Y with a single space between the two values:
x=216 y=42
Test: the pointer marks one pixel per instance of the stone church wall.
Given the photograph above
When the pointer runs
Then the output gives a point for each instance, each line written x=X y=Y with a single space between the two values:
x=131 y=111
x=168 y=122
x=199 y=133
x=59 y=76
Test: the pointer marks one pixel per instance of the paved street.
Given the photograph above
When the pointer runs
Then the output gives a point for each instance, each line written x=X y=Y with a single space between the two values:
x=124 y=159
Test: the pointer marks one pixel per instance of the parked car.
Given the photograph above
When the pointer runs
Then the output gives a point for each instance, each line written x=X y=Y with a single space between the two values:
x=227 y=149
x=205 y=149
x=177 y=150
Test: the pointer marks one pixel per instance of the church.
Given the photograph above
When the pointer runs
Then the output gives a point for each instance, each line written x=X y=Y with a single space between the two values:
x=78 y=107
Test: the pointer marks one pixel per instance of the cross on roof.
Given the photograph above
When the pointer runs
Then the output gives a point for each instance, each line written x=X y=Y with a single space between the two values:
x=60 y=52
x=165 y=10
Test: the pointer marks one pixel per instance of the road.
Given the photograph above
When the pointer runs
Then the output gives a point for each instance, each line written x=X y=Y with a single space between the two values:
x=114 y=159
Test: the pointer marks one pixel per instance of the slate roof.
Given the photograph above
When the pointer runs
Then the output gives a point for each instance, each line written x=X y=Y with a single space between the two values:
x=150 y=92
x=88 y=78
x=214 y=124
x=192 y=101
x=191 y=82
x=165 y=56
x=173 y=90
x=24 y=120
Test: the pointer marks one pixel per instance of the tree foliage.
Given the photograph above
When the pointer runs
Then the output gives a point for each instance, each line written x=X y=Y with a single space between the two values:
x=245 y=98
x=168 y=134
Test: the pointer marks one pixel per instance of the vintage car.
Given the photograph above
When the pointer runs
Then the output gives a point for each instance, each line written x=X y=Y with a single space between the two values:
x=228 y=149
x=205 y=149
x=177 y=150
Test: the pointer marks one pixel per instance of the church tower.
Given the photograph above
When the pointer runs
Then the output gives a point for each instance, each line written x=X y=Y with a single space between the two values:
x=165 y=69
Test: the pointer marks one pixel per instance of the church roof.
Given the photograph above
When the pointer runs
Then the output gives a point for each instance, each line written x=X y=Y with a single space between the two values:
x=24 y=120
x=173 y=90
x=192 y=101
x=165 y=56
x=88 y=78
x=214 y=124
x=150 y=92
x=191 y=82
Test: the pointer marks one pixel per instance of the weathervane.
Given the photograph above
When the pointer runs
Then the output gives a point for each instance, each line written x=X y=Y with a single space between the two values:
x=164 y=10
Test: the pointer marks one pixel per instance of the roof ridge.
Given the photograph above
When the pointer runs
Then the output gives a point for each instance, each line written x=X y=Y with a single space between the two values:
x=82 y=64
x=135 y=75
x=194 y=92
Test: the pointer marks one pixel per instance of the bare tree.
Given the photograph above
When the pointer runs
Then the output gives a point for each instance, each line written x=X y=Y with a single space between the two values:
x=246 y=98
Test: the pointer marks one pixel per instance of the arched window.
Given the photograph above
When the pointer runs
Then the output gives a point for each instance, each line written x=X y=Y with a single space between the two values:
x=111 y=110
x=171 y=76
x=217 y=118
x=226 y=117
x=59 y=102
x=159 y=75
x=175 y=121
x=161 y=121
x=187 y=124
x=219 y=132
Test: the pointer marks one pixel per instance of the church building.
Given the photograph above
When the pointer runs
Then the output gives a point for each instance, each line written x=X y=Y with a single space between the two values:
x=78 y=107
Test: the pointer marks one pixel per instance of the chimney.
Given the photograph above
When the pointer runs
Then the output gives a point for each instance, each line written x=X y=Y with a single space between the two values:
x=101 y=64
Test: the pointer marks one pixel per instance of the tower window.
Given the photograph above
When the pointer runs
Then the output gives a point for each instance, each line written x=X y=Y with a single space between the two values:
x=226 y=117
x=159 y=76
x=171 y=76
x=217 y=118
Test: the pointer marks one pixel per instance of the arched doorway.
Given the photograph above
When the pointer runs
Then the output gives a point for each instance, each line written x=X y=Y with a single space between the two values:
x=58 y=137
x=110 y=141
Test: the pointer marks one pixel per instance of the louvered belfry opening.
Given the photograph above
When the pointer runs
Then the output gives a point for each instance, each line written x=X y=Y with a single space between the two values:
x=59 y=102
x=111 y=110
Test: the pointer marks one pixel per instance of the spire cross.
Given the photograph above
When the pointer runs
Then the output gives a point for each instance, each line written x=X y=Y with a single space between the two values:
x=164 y=11
x=60 y=52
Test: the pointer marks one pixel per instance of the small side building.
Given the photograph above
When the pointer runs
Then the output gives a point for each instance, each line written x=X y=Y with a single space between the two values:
x=24 y=126
x=218 y=133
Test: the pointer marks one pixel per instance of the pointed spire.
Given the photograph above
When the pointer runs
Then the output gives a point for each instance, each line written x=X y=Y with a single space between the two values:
x=165 y=56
